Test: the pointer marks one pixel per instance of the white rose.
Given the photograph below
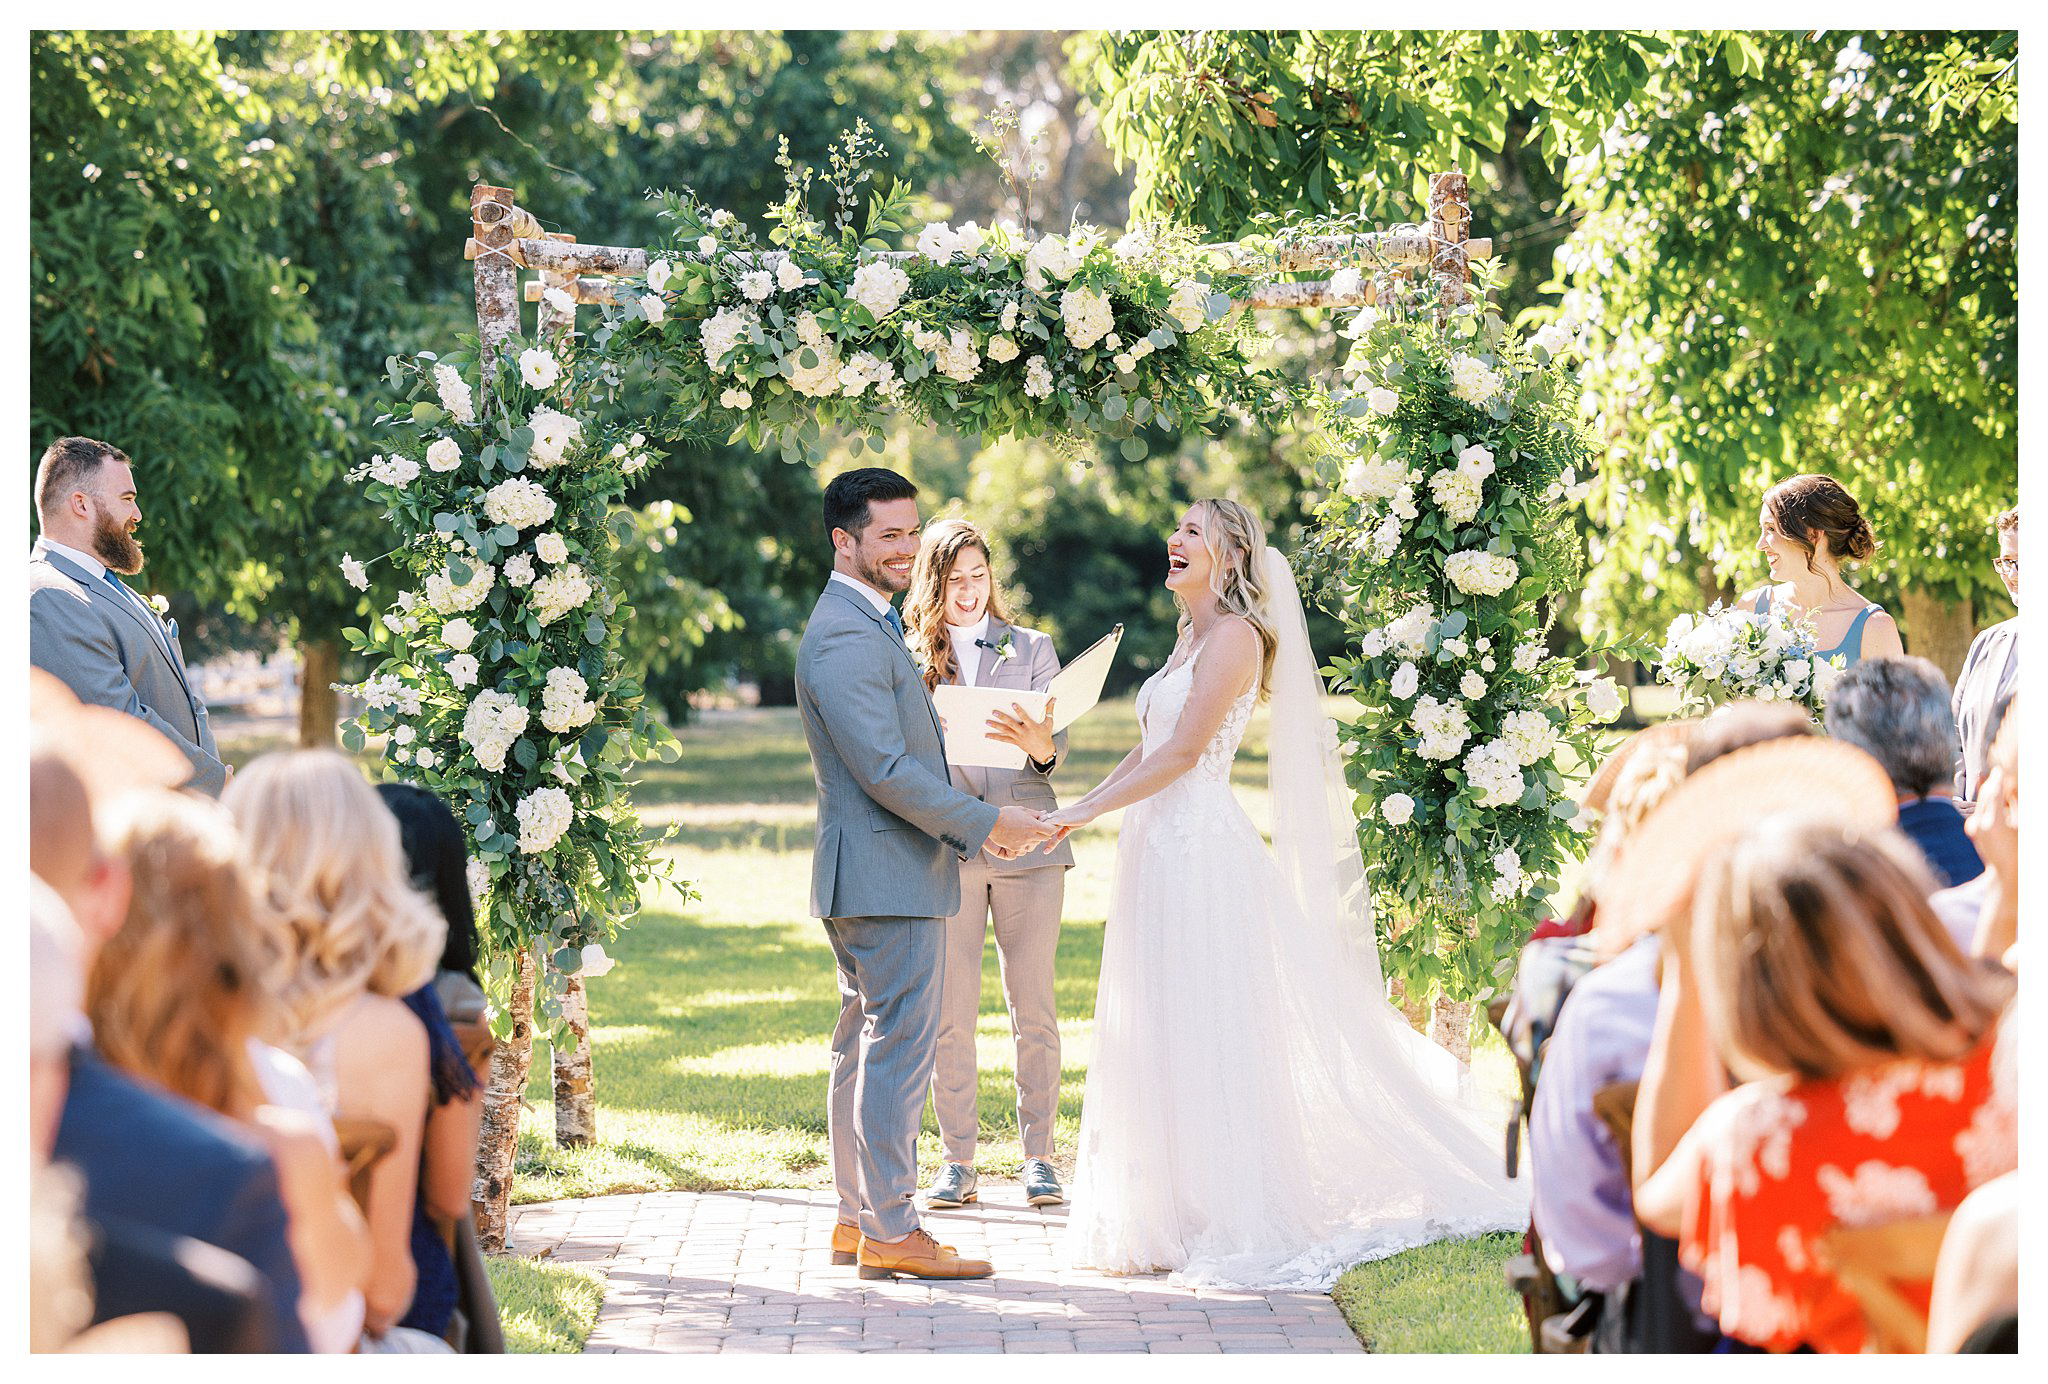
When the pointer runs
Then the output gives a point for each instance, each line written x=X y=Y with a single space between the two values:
x=538 y=368
x=352 y=571
x=1455 y=647
x=594 y=962
x=425 y=757
x=1189 y=306
x=1002 y=348
x=736 y=398
x=707 y=245
x=1472 y=687
x=1475 y=461
x=1009 y=322
x=553 y=434
x=937 y=242
x=658 y=274
x=1604 y=699
x=1382 y=400
x=757 y=285
x=1398 y=809
x=1405 y=680
x=969 y=239
x=458 y=634
x=551 y=548
x=559 y=300
x=462 y=670
x=444 y=455
x=788 y=277
x=653 y=307
x=402 y=735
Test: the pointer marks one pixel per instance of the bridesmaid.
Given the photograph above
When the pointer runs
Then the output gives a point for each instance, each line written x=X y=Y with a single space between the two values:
x=1811 y=526
x=958 y=628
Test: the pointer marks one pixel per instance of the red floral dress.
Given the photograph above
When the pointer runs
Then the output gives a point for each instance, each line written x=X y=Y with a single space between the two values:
x=1784 y=1162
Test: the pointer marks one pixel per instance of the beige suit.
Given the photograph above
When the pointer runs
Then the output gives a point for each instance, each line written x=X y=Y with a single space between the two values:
x=1025 y=898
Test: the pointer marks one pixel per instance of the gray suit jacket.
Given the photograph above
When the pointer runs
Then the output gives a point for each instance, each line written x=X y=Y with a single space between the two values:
x=1030 y=669
x=105 y=652
x=1990 y=671
x=887 y=809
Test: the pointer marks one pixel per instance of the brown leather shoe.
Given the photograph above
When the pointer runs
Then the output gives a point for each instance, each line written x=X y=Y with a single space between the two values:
x=918 y=1255
x=845 y=1242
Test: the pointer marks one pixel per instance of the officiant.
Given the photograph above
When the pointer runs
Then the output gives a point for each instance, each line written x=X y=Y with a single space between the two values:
x=959 y=630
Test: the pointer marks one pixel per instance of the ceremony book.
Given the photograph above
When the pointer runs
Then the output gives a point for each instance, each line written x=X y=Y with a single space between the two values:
x=966 y=710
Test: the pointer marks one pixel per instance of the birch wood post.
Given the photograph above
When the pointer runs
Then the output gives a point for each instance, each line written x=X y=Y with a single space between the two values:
x=499 y=1141
x=1450 y=220
x=493 y=223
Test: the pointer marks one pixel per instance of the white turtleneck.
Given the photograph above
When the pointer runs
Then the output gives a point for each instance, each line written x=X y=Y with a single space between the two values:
x=965 y=655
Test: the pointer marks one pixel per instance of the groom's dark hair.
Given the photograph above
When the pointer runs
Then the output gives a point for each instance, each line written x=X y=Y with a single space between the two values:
x=847 y=498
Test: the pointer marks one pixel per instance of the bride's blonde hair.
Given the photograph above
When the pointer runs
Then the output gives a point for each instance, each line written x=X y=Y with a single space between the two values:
x=1237 y=574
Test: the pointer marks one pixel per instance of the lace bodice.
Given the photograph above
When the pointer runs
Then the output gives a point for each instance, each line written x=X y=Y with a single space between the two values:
x=1160 y=703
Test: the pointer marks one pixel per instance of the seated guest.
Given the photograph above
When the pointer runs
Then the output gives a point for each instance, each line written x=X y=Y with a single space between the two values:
x=1896 y=710
x=175 y=998
x=1810 y=965
x=1991 y=670
x=1995 y=828
x=1976 y=1298
x=159 y=1171
x=351 y=936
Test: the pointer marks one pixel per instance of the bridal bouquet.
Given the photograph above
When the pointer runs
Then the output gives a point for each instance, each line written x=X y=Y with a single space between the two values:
x=1728 y=655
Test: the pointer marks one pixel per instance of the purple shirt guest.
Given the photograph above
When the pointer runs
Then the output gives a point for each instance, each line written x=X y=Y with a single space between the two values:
x=1580 y=1188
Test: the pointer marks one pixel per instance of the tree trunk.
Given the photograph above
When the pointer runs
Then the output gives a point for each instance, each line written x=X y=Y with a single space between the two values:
x=495 y=1150
x=319 y=704
x=1450 y=1027
x=1414 y=1007
x=575 y=1099
x=1938 y=630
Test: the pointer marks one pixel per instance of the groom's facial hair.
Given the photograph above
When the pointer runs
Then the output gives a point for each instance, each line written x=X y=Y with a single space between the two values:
x=113 y=544
x=874 y=573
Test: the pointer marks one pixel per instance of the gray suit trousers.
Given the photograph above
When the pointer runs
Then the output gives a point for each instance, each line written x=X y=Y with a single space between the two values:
x=882 y=1065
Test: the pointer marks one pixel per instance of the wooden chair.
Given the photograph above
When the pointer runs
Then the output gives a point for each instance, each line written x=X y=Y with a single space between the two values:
x=1616 y=1108
x=364 y=1144
x=1876 y=1264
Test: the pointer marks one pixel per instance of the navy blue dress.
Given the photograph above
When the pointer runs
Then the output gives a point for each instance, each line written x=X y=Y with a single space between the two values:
x=436 y=1293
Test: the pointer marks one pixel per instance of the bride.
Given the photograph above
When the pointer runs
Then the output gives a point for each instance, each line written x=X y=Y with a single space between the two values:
x=1257 y=1114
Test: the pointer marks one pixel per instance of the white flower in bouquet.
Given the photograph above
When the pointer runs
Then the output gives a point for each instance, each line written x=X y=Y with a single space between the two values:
x=1604 y=699
x=563 y=704
x=1410 y=633
x=723 y=331
x=879 y=286
x=1443 y=727
x=1002 y=349
x=443 y=454
x=1382 y=400
x=1528 y=657
x=822 y=378
x=653 y=308
x=538 y=368
x=1402 y=506
x=448 y=597
x=1530 y=734
x=458 y=634
x=491 y=723
x=1479 y=573
x=560 y=592
x=1509 y=882
x=1386 y=539
x=1825 y=673
x=1475 y=461
x=1374 y=478
x=1556 y=337
x=707 y=245
x=788 y=276
x=863 y=370
x=1133 y=244
x=1794 y=672
x=1038 y=378
x=352 y=572
x=1009 y=319
x=958 y=359
x=1398 y=809
x=394 y=470
x=1189 y=306
x=518 y=570
x=756 y=285
x=551 y=547
x=1052 y=256
x=553 y=435
x=1086 y=316
x=1493 y=772
x=559 y=299
x=593 y=962
x=1404 y=682
x=462 y=670
x=937 y=242
x=1455 y=647
x=1346 y=283
x=1471 y=687
x=455 y=397
x=1472 y=381
x=544 y=815
x=735 y=398
x=658 y=274
x=519 y=502
x=1456 y=494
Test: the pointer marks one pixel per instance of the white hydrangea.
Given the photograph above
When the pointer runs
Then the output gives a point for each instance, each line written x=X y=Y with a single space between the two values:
x=735 y=398
x=386 y=692
x=553 y=435
x=1382 y=400
x=462 y=670
x=454 y=392
x=1374 y=478
x=822 y=378
x=1086 y=315
x=1386 y=539
x=539 y=368
x=544 y=815
x=1476 y=461
x=1471 y=687
x=1479 y=573
x=1404 y=682
x=492 y=722
x=1190 y=305
x=1555 y=338
x=443 y=454
x=394 y=470
x=446 y=596
x=1456 y=494
x=1410 y=633
x=1509 y=881
x=352 y=572
x=1472 y=381
x=879 y=286
x=957 y=358
x=863 y=370
x=723 y=331
x=1050 y=255
x=519 y=502
x=458 y=634
x=1530 y=734
x=1002 y=349
x=560 y=592
x=1038 y=378
x=1528 y=657
x=563 y=704
x=788 y=276
x=1398 y=809
x=1604 y=699
x=1494 y=774
x=1443 y=727
x=756 y=285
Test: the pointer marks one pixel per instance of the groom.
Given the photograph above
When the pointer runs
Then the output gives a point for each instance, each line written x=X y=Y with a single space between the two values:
x=885 y=876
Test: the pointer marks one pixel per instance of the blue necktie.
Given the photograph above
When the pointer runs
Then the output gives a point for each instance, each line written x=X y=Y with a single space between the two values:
x=895 y=621
x=133 y=600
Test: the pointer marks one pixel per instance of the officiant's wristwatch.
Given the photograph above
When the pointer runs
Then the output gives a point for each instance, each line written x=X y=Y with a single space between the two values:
x=1046 y=767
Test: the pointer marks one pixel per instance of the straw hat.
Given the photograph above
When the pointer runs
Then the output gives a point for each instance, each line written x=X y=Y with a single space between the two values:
x=1806 y=775
x=111 y=751
x=1601 y=788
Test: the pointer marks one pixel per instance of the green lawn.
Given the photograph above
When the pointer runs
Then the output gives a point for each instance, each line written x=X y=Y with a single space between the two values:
x=547 y=1309
x=1443 y=1298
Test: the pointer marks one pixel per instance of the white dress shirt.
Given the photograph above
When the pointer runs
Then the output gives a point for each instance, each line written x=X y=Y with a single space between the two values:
x=965 y=654
x=877 y=599
x=99 y=573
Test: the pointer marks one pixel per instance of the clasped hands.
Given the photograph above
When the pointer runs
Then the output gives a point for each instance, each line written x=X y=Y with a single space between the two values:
x=1019 y=830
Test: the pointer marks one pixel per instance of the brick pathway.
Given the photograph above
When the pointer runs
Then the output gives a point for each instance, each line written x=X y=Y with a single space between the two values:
x=698 y=1272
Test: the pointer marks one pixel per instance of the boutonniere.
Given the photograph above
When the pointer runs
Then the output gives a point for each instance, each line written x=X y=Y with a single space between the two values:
x=1005 y=651
x=158 y=604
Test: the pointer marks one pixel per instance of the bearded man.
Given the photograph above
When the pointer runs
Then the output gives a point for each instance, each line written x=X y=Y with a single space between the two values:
x=86 y=626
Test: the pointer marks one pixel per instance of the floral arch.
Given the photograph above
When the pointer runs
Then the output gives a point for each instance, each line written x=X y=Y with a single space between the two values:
x=1448 y=454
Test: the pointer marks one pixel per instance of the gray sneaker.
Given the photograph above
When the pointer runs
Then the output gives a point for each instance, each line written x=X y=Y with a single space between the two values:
x=1041 y=1186
x=956 y=1186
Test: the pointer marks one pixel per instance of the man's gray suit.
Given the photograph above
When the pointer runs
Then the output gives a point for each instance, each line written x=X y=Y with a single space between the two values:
x=885 y=874
x=1991 y=670
x=112 y=651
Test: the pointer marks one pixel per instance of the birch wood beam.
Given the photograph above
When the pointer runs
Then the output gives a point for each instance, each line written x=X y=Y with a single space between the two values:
x=552 y=321
x=601 y=292
x=494 y=218
x=1367 y=249
x=1312 y=294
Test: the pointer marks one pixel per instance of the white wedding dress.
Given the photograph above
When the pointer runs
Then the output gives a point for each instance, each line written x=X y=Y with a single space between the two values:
x=1257 y=1114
